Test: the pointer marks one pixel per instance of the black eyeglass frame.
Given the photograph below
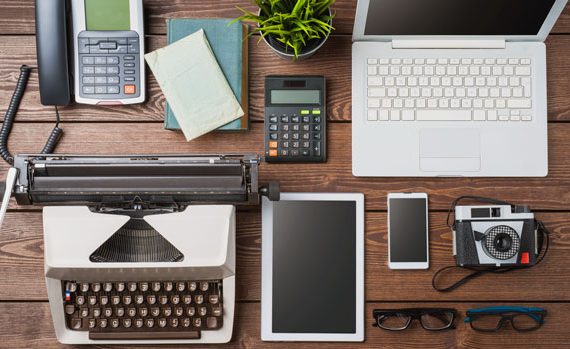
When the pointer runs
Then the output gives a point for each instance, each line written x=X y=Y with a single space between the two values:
x=414 y=314
x=508 y=316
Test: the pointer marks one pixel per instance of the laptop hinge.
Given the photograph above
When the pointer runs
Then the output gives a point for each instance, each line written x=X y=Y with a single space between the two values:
x=431 y=44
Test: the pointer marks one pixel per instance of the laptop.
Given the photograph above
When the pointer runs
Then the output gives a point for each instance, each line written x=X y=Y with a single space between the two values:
x=450 y=87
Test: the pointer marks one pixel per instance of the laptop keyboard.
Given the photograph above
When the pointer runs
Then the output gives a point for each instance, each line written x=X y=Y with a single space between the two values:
x=468 y=89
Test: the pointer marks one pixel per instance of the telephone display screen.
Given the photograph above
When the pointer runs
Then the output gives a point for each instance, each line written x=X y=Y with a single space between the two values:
x=107 y=15
x=408 y=230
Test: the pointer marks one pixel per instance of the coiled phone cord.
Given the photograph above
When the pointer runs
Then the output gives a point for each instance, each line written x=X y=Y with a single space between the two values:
x=10 y=115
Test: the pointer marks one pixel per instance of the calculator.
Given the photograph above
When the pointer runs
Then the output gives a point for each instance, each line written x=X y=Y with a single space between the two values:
x=295 y=119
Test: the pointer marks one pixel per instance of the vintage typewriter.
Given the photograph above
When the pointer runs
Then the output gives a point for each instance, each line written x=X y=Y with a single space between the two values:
x=139 y=249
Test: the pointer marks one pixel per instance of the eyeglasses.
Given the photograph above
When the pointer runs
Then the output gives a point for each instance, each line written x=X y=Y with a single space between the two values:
x=491 y=319
x=432 y=319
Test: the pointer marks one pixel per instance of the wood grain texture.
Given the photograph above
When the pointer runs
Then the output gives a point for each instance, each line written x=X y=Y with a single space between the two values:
x=551 y=192
x=333 y=61
x=21 y=262
x=17 y=16
x=35 y=330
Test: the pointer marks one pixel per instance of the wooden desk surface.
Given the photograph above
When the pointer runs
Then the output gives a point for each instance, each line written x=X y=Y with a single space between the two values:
x=25 y=320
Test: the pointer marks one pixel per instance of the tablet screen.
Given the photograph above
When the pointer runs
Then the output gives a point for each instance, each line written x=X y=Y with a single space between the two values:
x=314 y=267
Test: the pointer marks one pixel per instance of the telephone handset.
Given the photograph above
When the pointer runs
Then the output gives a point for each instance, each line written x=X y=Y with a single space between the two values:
x=90 y=49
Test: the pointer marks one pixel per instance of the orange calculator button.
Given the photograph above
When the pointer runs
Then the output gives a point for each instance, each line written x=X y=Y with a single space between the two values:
x=273 y=152
x=273 y=144
x=130 y=89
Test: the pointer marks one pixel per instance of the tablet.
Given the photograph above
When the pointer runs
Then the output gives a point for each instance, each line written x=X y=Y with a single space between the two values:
x=312 y=267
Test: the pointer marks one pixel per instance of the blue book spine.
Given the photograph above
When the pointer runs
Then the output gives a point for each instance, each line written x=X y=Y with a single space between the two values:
x=227 y=45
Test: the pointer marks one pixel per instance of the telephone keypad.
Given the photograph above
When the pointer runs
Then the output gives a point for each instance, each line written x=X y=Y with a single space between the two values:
x=109 y=67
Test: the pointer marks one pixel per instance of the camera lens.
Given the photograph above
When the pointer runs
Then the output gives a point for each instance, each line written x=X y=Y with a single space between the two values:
x=503 y=242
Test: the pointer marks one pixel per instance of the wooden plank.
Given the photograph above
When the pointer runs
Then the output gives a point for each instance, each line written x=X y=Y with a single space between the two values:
x=333 y=62
x=21 y=259
x=334 y=176
x=29 y=325
x=17 y=17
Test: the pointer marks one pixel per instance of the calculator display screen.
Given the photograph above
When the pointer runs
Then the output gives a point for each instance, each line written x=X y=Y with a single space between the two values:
x=107 y=15
x=295 y=97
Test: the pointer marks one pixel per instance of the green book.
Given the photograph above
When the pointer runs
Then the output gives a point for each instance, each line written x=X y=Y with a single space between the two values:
x=230 y=46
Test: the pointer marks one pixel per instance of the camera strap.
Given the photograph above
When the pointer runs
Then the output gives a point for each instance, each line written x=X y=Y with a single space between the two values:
x=478 y=271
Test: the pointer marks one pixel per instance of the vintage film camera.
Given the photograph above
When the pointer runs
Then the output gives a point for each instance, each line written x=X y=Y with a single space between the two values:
x=496 y=236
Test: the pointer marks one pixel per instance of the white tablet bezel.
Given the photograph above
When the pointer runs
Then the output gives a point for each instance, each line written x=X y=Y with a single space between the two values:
x=267 y=333
x=409 y=265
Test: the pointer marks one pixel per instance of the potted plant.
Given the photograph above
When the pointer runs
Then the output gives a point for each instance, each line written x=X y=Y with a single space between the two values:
x=294 y=29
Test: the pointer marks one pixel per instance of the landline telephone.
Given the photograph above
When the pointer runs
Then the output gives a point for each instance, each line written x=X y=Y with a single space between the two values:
x=92 y=49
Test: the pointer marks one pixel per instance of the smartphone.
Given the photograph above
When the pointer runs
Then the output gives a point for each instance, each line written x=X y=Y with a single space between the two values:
x=408 y=241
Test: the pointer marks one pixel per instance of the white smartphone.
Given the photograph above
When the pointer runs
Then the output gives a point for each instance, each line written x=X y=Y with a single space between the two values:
x=408 y=240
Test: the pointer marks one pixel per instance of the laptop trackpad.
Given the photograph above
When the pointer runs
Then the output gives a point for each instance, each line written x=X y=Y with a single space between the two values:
x=450 y=150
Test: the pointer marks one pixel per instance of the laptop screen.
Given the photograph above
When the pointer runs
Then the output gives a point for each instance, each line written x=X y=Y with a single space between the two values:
x=456 y=17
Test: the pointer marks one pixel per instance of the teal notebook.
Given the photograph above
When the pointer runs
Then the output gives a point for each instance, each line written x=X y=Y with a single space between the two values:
x=230 y=46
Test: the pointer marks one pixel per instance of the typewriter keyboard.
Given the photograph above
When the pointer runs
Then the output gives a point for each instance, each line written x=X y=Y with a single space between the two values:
x=143 y=310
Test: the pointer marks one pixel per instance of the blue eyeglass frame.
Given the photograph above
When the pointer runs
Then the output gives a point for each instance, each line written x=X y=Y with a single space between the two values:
x=507 y=313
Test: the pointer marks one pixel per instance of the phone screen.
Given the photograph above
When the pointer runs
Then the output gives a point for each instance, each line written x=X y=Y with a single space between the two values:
x=408 y=230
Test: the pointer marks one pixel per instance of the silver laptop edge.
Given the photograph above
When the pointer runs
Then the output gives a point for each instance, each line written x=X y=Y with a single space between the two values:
x=469 y=148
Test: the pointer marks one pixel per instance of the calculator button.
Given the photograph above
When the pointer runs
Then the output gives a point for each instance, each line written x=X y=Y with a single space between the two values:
x=130 y=89
x=306 y=127
x=317 y=127
x=285 y=136
x=273 y=136
x=305 y=112
x=284 y=152
x=317 y=148
x=317 y=119
x=306 y=119
x=88 y=60
x=273 y=144
x=284 y=118
x=285 y=128
x=316 y=112
x=305 y=152
x=306 y=144
x=295 y=119
x=317 y=135
x=285 y=145
x=295 y=144
x=294 y=152
x=273 y=152
x=295 y=127
x=305 y=136
x=273 y=127
x=273 y=119
x=295 y=136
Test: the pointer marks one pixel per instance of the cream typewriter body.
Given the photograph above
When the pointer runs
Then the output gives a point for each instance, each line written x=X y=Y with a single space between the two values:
x=140 y=250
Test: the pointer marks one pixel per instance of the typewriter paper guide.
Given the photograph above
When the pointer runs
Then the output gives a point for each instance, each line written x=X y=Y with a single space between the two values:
x=194 y=85
x=203 y=234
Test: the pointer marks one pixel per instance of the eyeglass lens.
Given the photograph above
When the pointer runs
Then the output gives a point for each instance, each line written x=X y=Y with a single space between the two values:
x=394 y=321
x=437 y=320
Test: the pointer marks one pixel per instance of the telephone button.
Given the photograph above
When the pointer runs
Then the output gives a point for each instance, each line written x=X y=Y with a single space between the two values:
x=108 y=45
x=113 y=89
x=88 y=90
x=129 y=65
x=113 y=80
x=88 y=70
x=98 y=70
x=112 y=60
x=100 y=60
x=100 y=90
x=129 y=58
x=129 y=78
x=130 y=89
x=88 y=60
x=129 y=71
x=100 y=80
x=112 y=70
x=120 y=41
x=83 y=45
x=89 y=80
